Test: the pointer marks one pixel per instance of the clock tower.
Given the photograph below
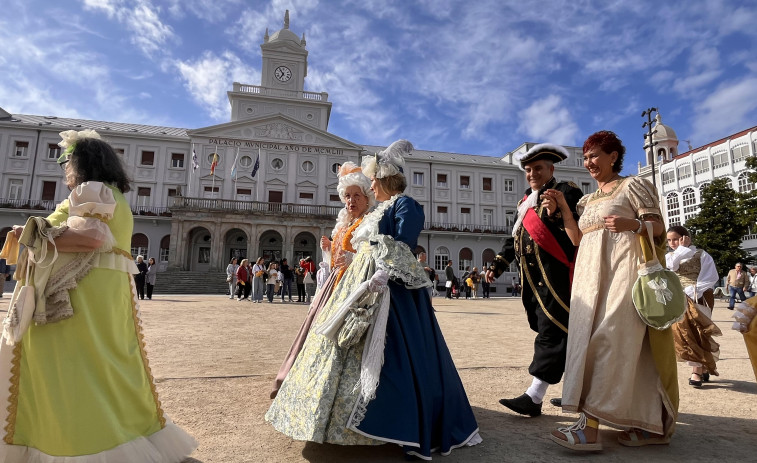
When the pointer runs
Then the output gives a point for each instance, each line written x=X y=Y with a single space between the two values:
x=282 y=84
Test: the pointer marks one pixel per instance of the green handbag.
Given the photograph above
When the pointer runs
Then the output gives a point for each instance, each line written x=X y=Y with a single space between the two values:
x=657 y=294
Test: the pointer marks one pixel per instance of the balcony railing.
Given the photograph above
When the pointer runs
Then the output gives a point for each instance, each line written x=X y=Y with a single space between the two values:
x=231 y=205
x=301 y=95
x=151 y=211
x=29 y=204
x=467 y=228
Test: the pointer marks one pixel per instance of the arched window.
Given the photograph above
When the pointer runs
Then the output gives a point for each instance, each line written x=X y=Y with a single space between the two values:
x=466 y=259
x=165 y=243
x=487 y=257
x=729 y=182
x=674 y=209
x=139 y=245
x=690 y=206
x=441 y=257
x=744 y=184
x=702 y=187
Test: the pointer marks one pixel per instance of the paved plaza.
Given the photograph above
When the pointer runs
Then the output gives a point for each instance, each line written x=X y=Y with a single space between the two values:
x=214 y=360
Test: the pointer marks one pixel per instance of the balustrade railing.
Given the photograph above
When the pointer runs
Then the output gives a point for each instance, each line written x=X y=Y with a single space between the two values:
x=466 y=227
x=33 y=204
x=199 y=204
x=258 y=90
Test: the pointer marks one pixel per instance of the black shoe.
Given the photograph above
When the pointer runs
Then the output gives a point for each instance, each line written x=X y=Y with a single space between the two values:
x=705 y=377
x=730 y=308
x=523 y=405
x=557 y=401
x=694 y=382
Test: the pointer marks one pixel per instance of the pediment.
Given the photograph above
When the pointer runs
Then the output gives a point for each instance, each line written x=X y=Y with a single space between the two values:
x=208 y=177
x=276 y=129
x=275 y=182
x=307 y=184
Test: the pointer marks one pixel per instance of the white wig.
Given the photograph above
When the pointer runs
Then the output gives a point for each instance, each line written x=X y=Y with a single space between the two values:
x=387 y=162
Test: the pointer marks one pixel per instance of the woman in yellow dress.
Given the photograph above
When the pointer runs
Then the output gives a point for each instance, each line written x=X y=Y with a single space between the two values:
x=80 y=389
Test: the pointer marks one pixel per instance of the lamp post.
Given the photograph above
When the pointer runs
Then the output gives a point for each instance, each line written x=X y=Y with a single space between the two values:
x=649 y=144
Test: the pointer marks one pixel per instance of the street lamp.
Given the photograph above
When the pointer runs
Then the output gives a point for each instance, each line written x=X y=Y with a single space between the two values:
x=648 y=143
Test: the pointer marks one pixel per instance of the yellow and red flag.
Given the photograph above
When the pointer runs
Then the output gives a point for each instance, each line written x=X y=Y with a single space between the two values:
x=214 y=164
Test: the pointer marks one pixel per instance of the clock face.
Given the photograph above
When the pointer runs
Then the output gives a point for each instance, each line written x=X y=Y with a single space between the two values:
x=282 y=73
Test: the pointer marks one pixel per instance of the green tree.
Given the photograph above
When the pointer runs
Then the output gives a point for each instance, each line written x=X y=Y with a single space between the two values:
x=720 y=225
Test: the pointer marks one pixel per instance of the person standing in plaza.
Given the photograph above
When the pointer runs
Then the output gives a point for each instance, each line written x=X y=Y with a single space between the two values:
x=737 y=282
x=139 y=278
x=693 y=334
x=242 y=285
x=258 y=280
x=299 y=279
x=546 y=256
x=449 y=274
x=150 y=277
x=273 y=276
x=752 y=281
x=309 y=278
x=231 y=276
x=286 y=280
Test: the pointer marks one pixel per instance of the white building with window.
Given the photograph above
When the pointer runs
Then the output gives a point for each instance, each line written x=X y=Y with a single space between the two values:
x=681 y=177
x=272 y=191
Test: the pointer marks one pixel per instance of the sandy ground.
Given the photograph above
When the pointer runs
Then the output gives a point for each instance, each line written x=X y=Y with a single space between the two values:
x=214 y=360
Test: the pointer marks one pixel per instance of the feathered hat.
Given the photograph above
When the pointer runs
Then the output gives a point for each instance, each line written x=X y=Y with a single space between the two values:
x=387 y=162
x=548 y=151
x=351 y=175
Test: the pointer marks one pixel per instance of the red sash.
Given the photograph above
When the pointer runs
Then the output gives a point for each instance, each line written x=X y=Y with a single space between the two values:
x=545 y=239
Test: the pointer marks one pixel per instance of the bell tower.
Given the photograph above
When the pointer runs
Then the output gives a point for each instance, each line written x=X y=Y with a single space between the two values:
x=285 y=59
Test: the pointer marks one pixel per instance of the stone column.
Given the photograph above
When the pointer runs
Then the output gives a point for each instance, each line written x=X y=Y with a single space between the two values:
x=216 y=246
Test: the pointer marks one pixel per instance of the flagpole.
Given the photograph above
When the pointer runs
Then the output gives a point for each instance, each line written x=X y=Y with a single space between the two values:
x=191 y=172
x=256 y=182
x=234 y=169
x=213 y=184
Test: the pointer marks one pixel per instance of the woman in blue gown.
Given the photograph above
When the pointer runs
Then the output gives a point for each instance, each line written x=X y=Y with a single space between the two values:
x=376 y=367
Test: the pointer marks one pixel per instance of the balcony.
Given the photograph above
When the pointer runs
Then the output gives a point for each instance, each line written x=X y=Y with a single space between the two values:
x=277 y=92
x=182 y=203
x=467 y=228
x=28 y=204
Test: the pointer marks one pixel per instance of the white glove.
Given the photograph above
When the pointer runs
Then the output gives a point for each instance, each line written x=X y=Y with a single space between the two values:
x=378 y=281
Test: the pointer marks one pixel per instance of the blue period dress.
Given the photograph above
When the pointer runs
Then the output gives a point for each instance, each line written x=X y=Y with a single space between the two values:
x=420 y=401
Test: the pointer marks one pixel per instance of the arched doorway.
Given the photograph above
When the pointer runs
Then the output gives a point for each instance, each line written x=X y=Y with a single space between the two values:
x=271 y=245
x=199 y=254
x=139 y=245
x=165 y=245
x=304 y=246
x=487 y=257
x=465 y=258
x=234 y=245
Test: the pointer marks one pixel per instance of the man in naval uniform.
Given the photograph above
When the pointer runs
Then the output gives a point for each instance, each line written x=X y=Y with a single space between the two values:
x=546 y=256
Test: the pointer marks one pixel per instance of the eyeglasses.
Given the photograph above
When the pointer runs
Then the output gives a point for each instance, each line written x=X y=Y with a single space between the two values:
x=62 y=164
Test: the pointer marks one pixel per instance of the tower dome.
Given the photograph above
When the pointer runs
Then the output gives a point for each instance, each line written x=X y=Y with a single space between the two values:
x=664 y=132
x=285 y=35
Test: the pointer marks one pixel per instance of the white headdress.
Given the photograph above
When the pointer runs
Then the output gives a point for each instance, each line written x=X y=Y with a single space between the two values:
x=350 y=175
x=387 y=162
x=70 y=137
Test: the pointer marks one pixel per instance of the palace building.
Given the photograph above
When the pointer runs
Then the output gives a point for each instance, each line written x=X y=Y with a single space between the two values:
x=681 y=177
x=272 y=192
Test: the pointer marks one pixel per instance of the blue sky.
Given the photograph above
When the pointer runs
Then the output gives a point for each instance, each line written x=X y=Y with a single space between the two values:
x=477 y=77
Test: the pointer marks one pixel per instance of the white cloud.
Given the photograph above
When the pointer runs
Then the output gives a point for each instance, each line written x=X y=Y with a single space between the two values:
x=727 y=110
x=548 y=121
x=208 y=78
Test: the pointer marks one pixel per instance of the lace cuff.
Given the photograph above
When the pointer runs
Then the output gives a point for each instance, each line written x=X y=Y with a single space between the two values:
x=396 y=259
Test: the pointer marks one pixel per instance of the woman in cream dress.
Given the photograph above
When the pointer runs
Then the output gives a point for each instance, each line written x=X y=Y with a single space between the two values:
x=619 y=372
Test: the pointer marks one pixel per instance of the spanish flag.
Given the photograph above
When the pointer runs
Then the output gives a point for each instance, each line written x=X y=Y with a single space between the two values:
x=214 y=164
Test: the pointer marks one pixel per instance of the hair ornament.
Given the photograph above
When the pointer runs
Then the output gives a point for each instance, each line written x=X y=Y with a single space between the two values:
x=70 y=138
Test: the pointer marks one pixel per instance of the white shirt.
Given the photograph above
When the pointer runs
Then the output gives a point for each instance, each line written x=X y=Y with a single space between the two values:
x=708 y=274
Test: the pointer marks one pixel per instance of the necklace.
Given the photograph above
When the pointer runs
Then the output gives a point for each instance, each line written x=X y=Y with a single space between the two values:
x=613 y=179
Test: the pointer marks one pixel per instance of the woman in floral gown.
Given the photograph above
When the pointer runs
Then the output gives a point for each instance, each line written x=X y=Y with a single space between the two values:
x=396 y=382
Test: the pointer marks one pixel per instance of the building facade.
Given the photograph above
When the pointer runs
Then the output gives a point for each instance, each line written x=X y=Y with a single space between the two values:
x=272 y=190
x=681 y=177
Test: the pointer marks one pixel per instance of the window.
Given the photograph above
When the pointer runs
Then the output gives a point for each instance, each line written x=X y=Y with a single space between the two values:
x=465 y=215
x=177 y=160
x=245 y=161
x=21 y=148
x=335 y=168
x=488 y=217
x=690 y=207
x=244 y=194
x=740 y=153
x=277 y=164
x=139 y=244
x=684 y=171
x=509 y=185
x=275 y=196
x=673 y=209
x=668 y=177
x=701 y=166
x=14 y=188
x=308 y=166
x=165 y=244
x=441 y=214
x=509 y=220
x=335 y=198
x=441 y=257
x=486 y=184
x=487 y=257
x=53 y=151
x=744 y=184
x=586 y=187
x=465 y=182
x=720 y=159
x=143 y=196
x=172 y=192
x=148 y=158
x=466 y=259
x=441 y=180
x=120 y=151
x=48 y=191
x=306 y=197
x=210 y=192
x=418 y=178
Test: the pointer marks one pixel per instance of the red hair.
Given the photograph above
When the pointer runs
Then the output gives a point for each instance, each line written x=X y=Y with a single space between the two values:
x=608 y=142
